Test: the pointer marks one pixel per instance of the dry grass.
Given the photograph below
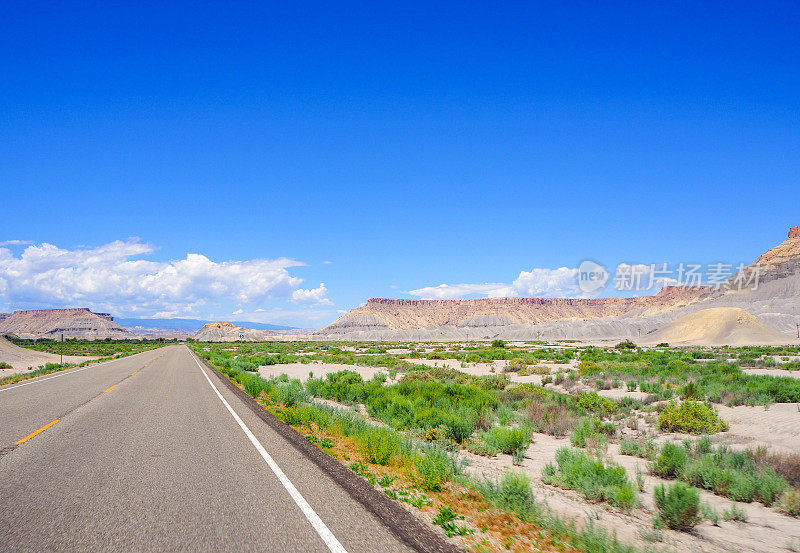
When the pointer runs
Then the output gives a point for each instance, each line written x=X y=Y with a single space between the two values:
x=785 y=464
x=556 y=420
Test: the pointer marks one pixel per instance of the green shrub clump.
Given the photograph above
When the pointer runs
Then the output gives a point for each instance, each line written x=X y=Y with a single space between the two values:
x=671 y=461
x=678 y=505
x=689 y=416
x=507 y=440
x=379 y=445
x=575 y=470
x=591 y=430
x=512 y=493
x=435 y=468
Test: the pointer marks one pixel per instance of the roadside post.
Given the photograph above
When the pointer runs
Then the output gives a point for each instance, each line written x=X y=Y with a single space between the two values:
x=241 y=342
x=62 y=349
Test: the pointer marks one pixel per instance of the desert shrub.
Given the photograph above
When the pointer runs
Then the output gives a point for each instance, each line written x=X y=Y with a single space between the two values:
x=459 y=426
x=632 y=448
x=769 y=487
x=498 y=344
x=735 y=513
x=790 y=503
x=379 y=445
x=786 y=465
x=678 y=505
x=692 y=417
x=508 y=440
x=554 y=419
x=254 y=385
x=627 y=344
x=291 y=393
x=512 y=493
x=575 y=470
x=670 y=462
x=593 y=403
x=435 y=468
x=591 y=430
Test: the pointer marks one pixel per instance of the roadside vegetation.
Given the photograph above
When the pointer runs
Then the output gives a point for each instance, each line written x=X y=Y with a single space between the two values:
x=92 y=348
x=411 y=428
x=105 y=351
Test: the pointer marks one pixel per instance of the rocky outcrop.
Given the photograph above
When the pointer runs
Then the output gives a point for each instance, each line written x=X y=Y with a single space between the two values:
x=72 y=323
x=223 y=331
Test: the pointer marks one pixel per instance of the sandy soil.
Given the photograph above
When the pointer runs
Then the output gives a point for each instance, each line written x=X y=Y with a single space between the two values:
x=776 y=427
x=766 y=531
x=23 y=359
x=716 y=327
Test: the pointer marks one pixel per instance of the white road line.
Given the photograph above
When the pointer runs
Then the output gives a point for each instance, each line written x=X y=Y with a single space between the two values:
x=65 y=372
x=323 y=531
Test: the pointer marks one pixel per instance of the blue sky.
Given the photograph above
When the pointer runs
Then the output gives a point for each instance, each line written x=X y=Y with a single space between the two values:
x=383 y=149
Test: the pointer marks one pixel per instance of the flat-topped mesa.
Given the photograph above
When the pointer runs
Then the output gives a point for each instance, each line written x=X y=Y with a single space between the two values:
x=76 y=322
x=405 y=314
x=668 y=292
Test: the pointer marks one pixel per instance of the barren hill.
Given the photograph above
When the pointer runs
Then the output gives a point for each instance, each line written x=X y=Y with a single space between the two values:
x=718 y=326
x=223 y=331
x=775 y=302
x=73 y=323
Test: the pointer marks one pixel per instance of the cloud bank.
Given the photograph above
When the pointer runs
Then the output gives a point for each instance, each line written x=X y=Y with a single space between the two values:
x=114 y=277
x=545 y=283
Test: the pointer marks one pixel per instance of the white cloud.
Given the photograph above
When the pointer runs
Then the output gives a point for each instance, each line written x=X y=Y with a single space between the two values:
x=536 y=282
x=16 y=243
x=314 y=295
x=114 y=277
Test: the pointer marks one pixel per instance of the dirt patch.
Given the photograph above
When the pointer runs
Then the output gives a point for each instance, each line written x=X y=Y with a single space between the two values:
x=23 y=359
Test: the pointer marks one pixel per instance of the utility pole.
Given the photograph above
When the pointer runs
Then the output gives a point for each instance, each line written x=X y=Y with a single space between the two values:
x=62 y=349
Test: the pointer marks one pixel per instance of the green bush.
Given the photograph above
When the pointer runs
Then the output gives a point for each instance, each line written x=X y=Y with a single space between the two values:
x=735 y=513
x=770 y=487
x=459 y=426
x=435 y=468
x=574 y=470
x=507 y=440
x=678 y=505
x=512 y=493
x=670 y=462
x=632 y=448
x=379 y=445
x=291 y=393
x=589 y=429
x=692 y=417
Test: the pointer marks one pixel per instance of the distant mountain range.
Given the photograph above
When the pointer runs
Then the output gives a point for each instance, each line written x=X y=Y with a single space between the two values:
x=191 y=325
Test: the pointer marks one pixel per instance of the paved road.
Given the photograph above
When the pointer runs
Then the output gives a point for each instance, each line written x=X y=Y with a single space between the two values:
x=148 y=455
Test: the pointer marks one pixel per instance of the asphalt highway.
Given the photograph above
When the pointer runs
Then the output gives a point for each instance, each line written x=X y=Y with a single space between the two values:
x=153 y=452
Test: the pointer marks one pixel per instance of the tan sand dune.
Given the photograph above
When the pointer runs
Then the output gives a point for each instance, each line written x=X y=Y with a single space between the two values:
x=22 y=359
x=717 y=327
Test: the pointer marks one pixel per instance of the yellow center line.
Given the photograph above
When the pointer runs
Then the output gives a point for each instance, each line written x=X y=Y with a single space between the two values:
x=111 y=388
x=42 y=429
x=134 y=372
